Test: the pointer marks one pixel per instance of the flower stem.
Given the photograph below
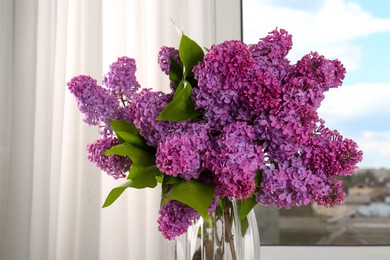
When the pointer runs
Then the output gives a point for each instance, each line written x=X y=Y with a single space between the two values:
x=228 y=216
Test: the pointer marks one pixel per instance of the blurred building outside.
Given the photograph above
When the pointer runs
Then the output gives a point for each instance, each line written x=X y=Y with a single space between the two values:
x=363 y=218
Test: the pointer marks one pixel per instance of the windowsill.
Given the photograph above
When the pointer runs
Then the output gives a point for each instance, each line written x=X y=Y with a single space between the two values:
x=325 y=252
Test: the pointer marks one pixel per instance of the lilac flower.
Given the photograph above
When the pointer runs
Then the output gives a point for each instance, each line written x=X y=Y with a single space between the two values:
x=145 y=108
x=335 y=194
x=121 y=80
x=113 y=165
x=175 y=218
x=270 y=54
x=164 y=58
x=260 y=93
x=263 y=90
x=182 y=152
x=286 y=129
x=329 y=153
x=93 y=101
x=275 y=46
x=259 y=120
x=308 y=175
x=234 y=161
x=285 y=184
x=213 y=206
x=311 y=77
x=221 y=77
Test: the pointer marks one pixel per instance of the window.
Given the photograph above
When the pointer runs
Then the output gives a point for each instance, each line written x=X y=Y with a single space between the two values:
x=352 y=31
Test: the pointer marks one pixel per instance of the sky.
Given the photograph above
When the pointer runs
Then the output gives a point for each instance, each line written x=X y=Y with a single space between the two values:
x=356 y=32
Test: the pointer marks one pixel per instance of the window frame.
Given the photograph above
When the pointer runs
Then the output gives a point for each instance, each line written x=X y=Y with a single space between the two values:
x=229 y=25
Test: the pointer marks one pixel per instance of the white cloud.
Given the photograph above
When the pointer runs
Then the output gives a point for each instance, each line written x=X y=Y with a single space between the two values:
x=376 y=149
x=328 y=29
x=356 y=101
x=297 y=4
x=383 y=135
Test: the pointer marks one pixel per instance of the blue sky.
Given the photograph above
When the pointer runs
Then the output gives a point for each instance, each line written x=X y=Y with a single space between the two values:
x=357 y=32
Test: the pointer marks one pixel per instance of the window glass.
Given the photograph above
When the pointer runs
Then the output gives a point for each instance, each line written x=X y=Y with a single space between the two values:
x=357 y=32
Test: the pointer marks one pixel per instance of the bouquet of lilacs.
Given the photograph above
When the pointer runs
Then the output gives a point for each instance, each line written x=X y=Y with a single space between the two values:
x=240 y=122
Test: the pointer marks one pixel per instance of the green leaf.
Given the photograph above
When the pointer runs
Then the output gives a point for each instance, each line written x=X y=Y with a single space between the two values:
x=171 y=179
x=128 y=132
x=259 y=177
x=221 y=203
x=179 y=89
x=124 y=126
x=195 y=194
x=139 y=177
x=167 y=182
x=137 y=155
x=175 y=71
x=220 y=208
x=159 y=179
x=245 y=206
x=143 y=177
x=244 y=226
x=181 y=107
x=115 y=193
x=190 y=54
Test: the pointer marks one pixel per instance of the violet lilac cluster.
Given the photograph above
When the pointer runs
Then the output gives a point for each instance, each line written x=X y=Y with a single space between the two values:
x=165 y=57
x=259 y=134
x=113 y=165
x=121 y=80
x=99 y=104
x=183 y=152
x=175 y=218
x=299 y=157
x=234 y=159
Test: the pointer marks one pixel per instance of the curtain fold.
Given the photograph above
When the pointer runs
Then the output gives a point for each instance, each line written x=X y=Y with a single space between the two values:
x=50 y=194
x=18 y=188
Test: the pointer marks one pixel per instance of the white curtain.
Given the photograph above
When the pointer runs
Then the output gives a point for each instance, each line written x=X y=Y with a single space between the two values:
x=50 y=195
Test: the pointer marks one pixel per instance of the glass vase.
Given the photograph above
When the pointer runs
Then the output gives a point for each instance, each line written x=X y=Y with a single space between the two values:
x=221 y=239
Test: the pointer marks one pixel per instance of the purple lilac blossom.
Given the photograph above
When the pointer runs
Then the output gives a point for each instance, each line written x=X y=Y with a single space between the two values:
x=259 y=116
x=93 y=100
x=274 y=47
x=145 y=108
x=285 y=129
x=113 y=165
x=270 y=54
x=213 y=206
x=260 y=93
x=311 y=77
x=175 y=218
x=330 y=154
x=264 y=90
x=121 y=80
x=290 y=183
x=182 y=152
x=284 y=184
x=234 y=160
x=164 y=58
x=335 y=195
x=308 y=175
x=221 y=78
